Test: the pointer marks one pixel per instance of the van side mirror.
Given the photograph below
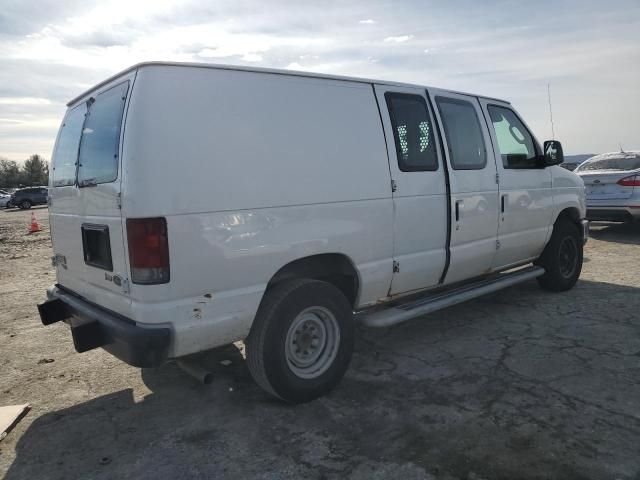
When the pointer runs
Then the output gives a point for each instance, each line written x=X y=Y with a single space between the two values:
x=553 y=154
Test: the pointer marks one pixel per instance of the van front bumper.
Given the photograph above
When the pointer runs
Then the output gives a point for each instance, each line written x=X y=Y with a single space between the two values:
x=93 y=326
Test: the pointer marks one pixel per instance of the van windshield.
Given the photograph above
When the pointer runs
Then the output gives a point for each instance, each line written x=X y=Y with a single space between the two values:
x=89 y=140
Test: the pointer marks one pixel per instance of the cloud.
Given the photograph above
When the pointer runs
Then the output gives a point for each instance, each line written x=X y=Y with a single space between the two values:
x=52 y=50
x=398 y=39
x=24 y=101
x=252 y=57
x=19 y=17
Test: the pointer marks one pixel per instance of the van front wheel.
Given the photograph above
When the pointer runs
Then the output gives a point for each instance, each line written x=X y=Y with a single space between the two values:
x=561 y=258
x=301 y=341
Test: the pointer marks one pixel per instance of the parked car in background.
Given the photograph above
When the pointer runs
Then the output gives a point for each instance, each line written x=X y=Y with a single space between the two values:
x=28 y=197
x=4 y=199
x=571 y=162
x=612 y=186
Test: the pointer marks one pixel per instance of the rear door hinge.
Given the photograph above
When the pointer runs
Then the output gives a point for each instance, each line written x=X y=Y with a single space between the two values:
x=396 y=266
x=394 y=187
x=497 y=244
x=119 y=200
x=497 y=178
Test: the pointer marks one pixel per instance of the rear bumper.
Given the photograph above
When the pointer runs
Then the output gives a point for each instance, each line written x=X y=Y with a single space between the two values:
x=613 y=213
x=93 y=327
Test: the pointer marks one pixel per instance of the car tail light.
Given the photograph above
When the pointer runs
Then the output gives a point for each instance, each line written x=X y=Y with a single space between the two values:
x=148 y=250
x=630 y=181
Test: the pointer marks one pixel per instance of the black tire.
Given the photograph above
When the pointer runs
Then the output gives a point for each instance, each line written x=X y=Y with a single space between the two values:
x=561 y=258
x=266 y=346
x=25 y=204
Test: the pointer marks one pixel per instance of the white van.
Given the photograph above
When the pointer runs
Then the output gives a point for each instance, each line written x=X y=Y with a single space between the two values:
x=197 y=205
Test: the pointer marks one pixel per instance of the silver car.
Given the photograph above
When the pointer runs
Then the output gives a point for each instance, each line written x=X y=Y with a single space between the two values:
x=612 y=185
x=4 y=199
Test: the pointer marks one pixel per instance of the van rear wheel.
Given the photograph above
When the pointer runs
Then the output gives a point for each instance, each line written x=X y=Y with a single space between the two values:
x=561 y=258
x=301 y=341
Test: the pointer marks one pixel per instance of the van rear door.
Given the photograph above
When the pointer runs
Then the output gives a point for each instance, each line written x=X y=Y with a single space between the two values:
x=85 y=210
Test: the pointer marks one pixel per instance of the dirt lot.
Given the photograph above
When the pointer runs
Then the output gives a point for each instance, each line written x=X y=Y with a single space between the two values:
x=521 y=384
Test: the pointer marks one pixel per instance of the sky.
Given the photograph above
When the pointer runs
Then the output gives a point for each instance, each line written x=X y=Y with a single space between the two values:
x=587 y=50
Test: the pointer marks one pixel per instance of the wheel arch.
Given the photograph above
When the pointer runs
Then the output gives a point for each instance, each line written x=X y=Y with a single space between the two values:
x=335 y=268
x=568 y=213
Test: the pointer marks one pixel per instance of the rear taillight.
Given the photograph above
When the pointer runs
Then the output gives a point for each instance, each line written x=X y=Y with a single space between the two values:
x=148 y=250
x=630 y=181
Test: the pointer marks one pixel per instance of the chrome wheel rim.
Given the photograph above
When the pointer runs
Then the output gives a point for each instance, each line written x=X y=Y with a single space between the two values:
x=568 y=257
x=312 y=342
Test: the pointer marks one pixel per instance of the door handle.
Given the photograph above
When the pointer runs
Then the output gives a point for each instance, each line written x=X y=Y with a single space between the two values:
x=503 y=200
x=458 y=209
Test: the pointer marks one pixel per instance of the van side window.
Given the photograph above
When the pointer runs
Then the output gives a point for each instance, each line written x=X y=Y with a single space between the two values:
x=464 y=135
x=66 y=154
x=516 y=144
x=412 y=132
x=98 y=161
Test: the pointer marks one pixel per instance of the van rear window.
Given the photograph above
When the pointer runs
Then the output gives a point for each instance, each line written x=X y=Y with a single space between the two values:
x=98 y=162
x=89 y=140
x=412 y=132
x=66 y=154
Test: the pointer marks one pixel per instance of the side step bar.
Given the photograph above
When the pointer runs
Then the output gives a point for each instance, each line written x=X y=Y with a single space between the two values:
x=406 y=311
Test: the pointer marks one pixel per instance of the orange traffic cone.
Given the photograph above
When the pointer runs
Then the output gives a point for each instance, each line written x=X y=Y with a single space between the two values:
x=34 y=224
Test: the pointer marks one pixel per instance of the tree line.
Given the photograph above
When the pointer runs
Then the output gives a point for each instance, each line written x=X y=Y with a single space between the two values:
x=33 y=172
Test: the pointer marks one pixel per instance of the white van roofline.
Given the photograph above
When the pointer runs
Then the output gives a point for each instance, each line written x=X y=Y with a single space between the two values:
x=274 y=71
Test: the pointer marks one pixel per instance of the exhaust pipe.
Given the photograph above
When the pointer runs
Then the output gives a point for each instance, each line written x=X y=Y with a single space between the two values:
x=196 y=370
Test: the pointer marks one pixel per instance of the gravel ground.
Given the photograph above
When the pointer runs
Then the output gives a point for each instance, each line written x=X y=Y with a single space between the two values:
x=521 y=384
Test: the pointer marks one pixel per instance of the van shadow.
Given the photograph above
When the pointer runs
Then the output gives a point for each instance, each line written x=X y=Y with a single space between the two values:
x=465 y=390
x=628 y=233
x=180 y=423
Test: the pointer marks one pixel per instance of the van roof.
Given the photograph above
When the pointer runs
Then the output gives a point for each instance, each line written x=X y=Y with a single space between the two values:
x=275 y=71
